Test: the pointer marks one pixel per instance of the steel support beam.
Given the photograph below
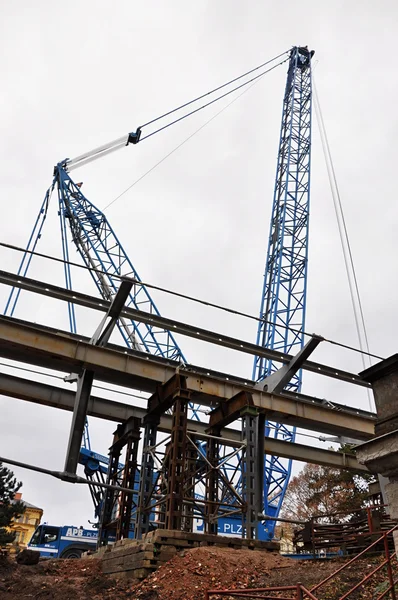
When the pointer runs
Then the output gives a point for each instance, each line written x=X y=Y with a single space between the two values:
x=83 y=392
x=43 y=347
x=228 y=412
x=85 y=380
x=116 y=511
x=104 y=330
x=176 y=327
x=143 y=514
x=189 y=488
x=212 y=454
x=252 y=477
x=275 y=383
x=131 y=440
x=174 y=500
x=163 y=399
x=55 y=397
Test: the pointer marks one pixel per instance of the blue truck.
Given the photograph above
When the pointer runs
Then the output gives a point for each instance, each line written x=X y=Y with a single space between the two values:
x=63 y=542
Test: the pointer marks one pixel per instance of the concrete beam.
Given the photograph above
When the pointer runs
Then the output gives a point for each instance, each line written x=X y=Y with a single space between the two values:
x=136 y=370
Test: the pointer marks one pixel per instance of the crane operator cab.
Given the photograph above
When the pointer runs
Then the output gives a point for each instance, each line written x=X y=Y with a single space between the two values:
x=304 y=56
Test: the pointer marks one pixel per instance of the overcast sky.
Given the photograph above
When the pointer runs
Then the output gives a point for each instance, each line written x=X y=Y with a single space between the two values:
x=78 y=74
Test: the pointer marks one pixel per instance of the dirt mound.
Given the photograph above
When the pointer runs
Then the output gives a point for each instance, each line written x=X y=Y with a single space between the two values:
x=185 y=577
x=189 y=574
x=56 y=580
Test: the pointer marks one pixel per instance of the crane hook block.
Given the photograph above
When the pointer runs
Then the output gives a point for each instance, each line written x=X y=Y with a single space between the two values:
x=134 y=137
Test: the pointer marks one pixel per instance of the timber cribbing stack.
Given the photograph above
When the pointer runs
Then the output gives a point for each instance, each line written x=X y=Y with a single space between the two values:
x=138 y=558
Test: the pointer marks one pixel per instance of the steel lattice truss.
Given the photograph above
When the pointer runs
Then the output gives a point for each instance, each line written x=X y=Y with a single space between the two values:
x=103 y=253
x=190 y=483
x=283 y=300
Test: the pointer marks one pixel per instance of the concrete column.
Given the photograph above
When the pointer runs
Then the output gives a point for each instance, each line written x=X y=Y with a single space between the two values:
x=380 y=455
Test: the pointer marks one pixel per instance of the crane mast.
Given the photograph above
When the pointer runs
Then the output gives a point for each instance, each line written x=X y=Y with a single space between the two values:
x=283 y=300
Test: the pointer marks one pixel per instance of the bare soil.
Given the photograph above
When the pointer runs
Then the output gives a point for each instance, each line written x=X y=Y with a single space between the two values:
x=185 y=577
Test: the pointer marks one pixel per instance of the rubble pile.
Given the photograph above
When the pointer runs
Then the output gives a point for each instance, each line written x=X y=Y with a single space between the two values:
x=184 y=577
x=189 y=574
x=56 y=580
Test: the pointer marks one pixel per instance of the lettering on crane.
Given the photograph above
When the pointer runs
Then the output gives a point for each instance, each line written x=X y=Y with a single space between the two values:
x=76 y=532
x=232 y=528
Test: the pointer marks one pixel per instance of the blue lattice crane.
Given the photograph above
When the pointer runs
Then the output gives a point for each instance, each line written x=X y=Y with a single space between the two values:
x=283 y=299
x=106 y=259
x=284 y=291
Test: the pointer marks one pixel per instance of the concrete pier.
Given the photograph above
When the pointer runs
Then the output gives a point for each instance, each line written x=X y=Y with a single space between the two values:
x=380 y=455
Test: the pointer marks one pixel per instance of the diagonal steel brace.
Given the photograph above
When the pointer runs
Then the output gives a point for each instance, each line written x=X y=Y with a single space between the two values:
x=276 y=382
x=85 y=379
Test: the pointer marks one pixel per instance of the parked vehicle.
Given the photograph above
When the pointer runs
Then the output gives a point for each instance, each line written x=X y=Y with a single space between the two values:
x=63 y=542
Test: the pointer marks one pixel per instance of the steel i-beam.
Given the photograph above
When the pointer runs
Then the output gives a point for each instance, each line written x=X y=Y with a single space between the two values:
x=85 y=380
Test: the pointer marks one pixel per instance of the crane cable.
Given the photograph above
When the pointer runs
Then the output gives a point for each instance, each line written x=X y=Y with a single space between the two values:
x=141 y=177
x=345 y=241
x=187 y=297
x=220 y=87
x=213 y=101
x=87 y=157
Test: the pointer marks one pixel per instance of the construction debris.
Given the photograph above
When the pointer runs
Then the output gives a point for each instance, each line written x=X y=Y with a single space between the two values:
x=185 y=577
x=139 y=558
x=190 y=573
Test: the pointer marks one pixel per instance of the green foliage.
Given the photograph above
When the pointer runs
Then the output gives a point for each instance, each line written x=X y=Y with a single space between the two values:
x=9 y=508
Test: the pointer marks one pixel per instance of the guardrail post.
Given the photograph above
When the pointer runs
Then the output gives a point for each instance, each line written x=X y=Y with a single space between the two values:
x=369 y=517
x=313 y=537
x=388 y=557
x=299 y=592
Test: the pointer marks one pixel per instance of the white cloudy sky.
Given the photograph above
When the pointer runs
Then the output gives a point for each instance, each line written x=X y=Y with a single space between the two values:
x=75 y=75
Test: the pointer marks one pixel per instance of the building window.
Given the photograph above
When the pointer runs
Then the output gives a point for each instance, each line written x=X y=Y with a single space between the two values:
x=17 y=536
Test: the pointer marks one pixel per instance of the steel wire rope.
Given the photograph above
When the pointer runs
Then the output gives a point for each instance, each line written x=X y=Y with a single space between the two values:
x=345 y=241
x=220 y=87
x=309 y=435
x=87 y=157
x=179 y=145
x=190 y=298
x=213 y=101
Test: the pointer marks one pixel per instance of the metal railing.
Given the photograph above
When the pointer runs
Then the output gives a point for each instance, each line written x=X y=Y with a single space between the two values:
x=299 y=592
x=389 y=557
x=351 y=531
